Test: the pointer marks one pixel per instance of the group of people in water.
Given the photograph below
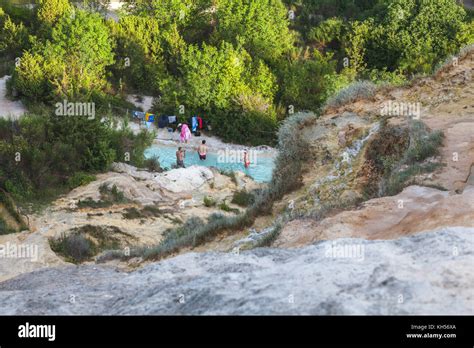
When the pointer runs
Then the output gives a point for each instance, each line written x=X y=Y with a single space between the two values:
x=180 y=154
x=202 y=153
x=185 y=136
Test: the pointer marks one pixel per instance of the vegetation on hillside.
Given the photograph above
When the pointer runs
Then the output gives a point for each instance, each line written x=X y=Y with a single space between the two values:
x=243 y=64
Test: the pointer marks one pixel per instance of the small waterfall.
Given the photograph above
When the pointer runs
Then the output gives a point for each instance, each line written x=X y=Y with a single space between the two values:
x=348 y=155
x=351 y=152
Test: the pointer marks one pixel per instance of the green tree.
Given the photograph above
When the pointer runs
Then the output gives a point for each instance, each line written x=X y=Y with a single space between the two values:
x=217 y=77
x=70 y=65
x=262 y=26
x=13 y=37
x=305 y=82
x=327 y=31
x=413 y=35
x=140 y=53
x=191 y=17
x=213 y=76
x=50 y=11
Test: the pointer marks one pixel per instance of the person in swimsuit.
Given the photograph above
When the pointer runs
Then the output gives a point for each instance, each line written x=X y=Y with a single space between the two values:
x=202 y=150
x=246 y=159
x=180 y=157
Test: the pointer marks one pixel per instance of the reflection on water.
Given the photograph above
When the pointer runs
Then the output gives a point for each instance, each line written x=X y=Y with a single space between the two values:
x=261 y=171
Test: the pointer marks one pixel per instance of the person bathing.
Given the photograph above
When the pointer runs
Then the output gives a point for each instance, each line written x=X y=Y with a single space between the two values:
x=202 y=151
x=246 y=159
x=180 y=157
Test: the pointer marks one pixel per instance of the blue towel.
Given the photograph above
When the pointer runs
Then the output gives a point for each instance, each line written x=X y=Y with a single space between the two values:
x=162 y=121
x=194 y=124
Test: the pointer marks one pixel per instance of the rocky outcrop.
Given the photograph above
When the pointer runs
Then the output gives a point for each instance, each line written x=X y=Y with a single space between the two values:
x=429 y=273
x=25 y=252
x=414 y=210
x=343 y=143
x=175 y=196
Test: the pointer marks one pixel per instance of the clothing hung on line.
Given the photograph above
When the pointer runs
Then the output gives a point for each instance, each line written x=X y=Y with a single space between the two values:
x=139 y=115
x=199 y=122
x=162 y=121
x=149 y=117
x=194 y=124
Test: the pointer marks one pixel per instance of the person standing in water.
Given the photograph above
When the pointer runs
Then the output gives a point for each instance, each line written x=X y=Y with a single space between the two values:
x=246 y=159
x=180 y=157
x=202 y=151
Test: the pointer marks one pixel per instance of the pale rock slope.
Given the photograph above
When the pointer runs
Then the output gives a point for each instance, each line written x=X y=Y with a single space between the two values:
x=428 y=273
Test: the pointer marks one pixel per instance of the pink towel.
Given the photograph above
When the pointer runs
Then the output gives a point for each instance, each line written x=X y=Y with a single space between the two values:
x=185 y=133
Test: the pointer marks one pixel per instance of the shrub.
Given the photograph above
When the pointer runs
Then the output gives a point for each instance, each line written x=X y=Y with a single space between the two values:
x=355 y=91
x=387 y=146
x=153 y=164
x=112 y=194
x=128 y=145
x=209 y=202
x=261 y=25
x=108 y=197
x=423 y=143
x=243 y=198
x=79 y=179
x=75 y=247
x=398 y=180
x=225 y=207
x=319 y=74
x=132 y=213
x=82 y=243
x=13 y=37
x=5 y=228
x=90 y=203
x=287 y=174
x=12 y=210
x=146 y=212
x=426 y=33
x=245 y=127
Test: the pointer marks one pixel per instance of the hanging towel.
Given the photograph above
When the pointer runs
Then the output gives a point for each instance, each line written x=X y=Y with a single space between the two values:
x=138 y=114
x=162 y=121
x=171 y=119
x=149 y=117
x=185 y=133
x=194 y=124
x=200 y=122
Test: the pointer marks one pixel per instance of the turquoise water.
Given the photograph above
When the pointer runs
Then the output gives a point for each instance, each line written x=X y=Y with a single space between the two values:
x=260 y=171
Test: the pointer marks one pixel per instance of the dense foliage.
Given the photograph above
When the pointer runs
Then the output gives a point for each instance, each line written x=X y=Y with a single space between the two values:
x=229 y=60
x=41 y=151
